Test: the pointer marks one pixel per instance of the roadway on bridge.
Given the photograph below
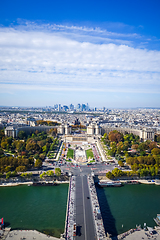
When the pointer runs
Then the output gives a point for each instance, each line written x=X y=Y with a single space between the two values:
x=84 y=213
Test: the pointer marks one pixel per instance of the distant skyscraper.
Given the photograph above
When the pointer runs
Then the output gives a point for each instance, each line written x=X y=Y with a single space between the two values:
x=65 y=108
x=71 y=107
x=83 y=107
x=59 y=107
x=78 y=107
x=87 y=107
x=56 y=107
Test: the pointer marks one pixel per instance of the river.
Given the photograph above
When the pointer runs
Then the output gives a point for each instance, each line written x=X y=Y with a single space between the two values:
x=125 y=207
x=41 y=207
x=44 y=208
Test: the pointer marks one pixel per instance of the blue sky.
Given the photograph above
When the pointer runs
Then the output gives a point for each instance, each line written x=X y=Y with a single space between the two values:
x=106 y=53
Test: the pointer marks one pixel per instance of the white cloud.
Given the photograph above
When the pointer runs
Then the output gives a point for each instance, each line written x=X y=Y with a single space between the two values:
x=35 y=58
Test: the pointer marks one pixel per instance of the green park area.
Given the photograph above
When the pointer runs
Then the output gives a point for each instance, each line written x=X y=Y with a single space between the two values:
x=70 y=153
x=89 y=154
x=26 y=152
x=142 y=157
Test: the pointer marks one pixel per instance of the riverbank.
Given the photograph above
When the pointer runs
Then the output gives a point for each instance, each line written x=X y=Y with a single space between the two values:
x=142 y=181
x=140 y=234
x=156 y=182
x=12 y=184
x=126 y=181
x=132 y=234
x=28 y=234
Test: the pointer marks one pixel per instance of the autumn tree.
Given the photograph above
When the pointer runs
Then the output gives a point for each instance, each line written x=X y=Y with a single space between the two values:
x=155 y=151
x=117 y=172
x=113 y=149
x=50 y=173
x=32 y=146
x=58 y=172
x=115 y=136
x=47 y=123
x=152 y=145
x=143 y=146
x=130 y=160
x=22 y=135
x=143 y=172
x=125 y=146
x=20 y=145
x=152 y=171
x=2 y=135
x=121 y=164
x=157 y=159
x=38 y=163
x=21 y=169
x=109 y=175
x=134 y=167
x=53 y=131
x=158 y=138
x=42 y=175
x=8 y=175
x=1 y=152
x=6 y=142
x=105 y=136
x=7 y=169
x=134 y=146
x=119 y=147
x=42 y=156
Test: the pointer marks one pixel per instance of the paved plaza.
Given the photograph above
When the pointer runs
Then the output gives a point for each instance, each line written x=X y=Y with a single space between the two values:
x=138 y=235
x=28 y=235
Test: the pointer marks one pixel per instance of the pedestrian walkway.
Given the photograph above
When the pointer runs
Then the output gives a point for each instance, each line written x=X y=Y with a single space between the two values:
x=96 y=210
x=139 y=234
x=71 y=210
x=28 y=235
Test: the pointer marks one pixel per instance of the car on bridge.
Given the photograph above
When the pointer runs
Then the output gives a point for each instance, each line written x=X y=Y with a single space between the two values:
x=78 y=230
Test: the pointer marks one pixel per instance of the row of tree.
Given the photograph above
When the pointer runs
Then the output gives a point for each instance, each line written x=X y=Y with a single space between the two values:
x=120 y=144
x=20 y=155
x=115 y=136
x=47 y=123
x=147 y=160
x=151 y=171
x=49 y=173
x=18 y=164
x=36 y=145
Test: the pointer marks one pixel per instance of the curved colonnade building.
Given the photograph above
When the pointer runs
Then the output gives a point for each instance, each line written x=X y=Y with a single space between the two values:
x=93 y=129
x=12 y=131
x=144 y=134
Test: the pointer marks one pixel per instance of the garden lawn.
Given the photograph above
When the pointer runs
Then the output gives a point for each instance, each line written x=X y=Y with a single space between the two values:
x=89 y=153
x=70 y=153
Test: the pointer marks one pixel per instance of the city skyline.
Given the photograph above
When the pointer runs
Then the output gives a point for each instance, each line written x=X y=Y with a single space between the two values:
x=106 y=54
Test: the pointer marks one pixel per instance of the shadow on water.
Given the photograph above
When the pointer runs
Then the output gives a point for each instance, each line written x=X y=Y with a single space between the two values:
x=108 y=219
x=7 y=224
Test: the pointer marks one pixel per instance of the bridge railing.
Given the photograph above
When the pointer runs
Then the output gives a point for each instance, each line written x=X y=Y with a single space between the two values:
x=70 y=212
x=100 y=232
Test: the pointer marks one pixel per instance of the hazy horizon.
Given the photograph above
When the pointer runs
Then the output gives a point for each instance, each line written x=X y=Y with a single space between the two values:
x=104 y=53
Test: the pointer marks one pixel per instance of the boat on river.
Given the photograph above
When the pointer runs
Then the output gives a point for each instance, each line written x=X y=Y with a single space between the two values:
x=109 y=184
x=157 y=219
